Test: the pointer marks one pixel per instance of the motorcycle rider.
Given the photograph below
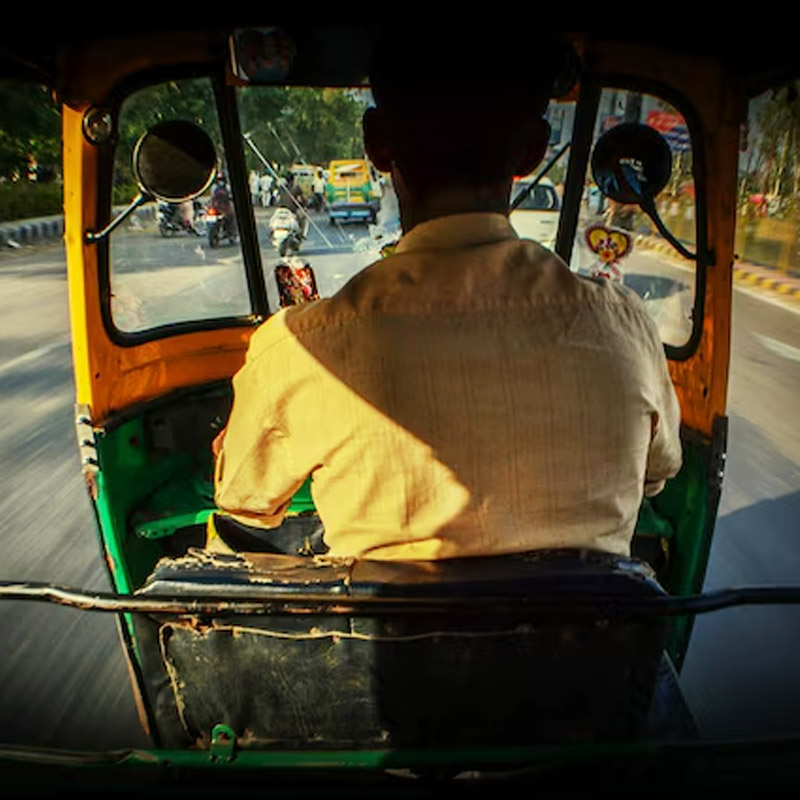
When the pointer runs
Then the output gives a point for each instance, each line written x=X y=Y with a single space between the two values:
x=177 y=217
x=291 y=196
x=222 y=203
x=187 y=216
x=318 y=190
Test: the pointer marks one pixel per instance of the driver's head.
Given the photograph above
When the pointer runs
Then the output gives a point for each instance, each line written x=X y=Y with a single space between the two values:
x=461 y=108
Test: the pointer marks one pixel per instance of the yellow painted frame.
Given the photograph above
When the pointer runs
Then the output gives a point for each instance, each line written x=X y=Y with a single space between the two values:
x=108 y=376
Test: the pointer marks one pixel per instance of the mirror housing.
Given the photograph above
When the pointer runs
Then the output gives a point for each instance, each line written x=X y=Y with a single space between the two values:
x=631 y=163
x=173 y=161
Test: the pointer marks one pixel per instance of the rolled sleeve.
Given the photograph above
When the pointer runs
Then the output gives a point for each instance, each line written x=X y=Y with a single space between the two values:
x=254 y=474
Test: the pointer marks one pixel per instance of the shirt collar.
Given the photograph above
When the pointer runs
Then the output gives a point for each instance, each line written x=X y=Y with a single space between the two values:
x=456 y=231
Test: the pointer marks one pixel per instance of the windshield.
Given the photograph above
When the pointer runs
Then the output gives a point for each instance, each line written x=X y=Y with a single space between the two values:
x=541 y=198
x=348 y=171
x=303 y=150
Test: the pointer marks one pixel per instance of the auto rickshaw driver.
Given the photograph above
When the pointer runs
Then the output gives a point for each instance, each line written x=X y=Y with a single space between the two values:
x=451 y=400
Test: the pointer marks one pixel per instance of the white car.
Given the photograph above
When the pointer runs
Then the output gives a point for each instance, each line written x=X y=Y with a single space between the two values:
x=537 y=216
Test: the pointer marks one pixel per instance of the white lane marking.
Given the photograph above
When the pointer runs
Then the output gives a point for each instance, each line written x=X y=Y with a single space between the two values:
x=32 y=355
x=779 y=348
x=767 y=296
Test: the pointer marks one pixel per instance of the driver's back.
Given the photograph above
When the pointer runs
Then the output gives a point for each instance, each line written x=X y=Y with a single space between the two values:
x=466 y=396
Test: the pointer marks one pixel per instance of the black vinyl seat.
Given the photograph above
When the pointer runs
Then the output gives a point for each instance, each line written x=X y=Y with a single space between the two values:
x=534 y=652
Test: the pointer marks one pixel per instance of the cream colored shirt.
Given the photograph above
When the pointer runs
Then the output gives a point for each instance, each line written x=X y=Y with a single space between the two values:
x=465 y=396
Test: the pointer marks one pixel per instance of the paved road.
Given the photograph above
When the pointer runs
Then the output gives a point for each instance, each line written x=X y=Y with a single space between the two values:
x=742 y=670
x=62 y=678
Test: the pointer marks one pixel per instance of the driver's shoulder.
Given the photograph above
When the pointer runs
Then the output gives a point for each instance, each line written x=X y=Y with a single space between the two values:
x=286 y=327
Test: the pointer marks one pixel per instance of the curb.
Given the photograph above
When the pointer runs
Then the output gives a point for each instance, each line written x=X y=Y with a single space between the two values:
x=15 y=234
x=659 y=245
x=33 y=231
x=741 y=274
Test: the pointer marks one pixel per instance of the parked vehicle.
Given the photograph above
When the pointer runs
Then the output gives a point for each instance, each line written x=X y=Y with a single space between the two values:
x=304 y=177
x=536 y=217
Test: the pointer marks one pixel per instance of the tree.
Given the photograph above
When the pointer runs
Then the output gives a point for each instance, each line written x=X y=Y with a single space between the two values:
x=322 y=124
x=775 y=162
x=30 y=129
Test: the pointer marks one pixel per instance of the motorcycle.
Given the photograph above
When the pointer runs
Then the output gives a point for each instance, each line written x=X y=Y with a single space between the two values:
x=219 y=226
x=172 y=219
x=286 y=231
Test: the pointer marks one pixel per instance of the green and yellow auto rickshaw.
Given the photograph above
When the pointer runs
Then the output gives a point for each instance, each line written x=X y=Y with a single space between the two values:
x=350 y=191
x=287 y=672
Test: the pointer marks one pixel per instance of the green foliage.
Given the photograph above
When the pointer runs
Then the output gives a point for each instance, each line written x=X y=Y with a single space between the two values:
x=124 y=192
x=190 y=100
x=303 y=123
x=322 y=124
x=26 y=199
x=30 y=129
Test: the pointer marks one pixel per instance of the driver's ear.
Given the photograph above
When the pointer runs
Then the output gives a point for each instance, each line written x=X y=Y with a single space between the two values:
x=537 y=139
x=377 y=141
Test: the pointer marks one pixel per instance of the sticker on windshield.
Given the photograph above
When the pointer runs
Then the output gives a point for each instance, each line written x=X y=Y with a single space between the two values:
x=610 y=246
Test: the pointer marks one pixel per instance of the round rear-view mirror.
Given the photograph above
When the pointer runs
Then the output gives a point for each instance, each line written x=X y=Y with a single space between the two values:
x=631 y=163
x=174 y=161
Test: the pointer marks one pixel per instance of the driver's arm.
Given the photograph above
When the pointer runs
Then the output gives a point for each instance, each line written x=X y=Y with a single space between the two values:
x=255 y=475
x=665 y=455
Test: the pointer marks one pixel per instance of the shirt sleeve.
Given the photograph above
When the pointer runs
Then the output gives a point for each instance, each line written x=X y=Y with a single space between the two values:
x=666 y=455
x=254 y=474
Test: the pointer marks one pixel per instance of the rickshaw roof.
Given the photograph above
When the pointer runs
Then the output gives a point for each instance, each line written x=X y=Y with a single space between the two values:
x=761 y=54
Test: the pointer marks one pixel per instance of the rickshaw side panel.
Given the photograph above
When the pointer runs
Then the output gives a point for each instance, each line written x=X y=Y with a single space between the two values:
x=716 y=106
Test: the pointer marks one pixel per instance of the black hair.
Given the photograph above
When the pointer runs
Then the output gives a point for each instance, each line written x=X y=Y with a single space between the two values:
x=460 y=101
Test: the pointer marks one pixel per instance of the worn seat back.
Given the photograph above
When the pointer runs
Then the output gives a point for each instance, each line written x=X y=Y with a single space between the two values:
x=518 y=649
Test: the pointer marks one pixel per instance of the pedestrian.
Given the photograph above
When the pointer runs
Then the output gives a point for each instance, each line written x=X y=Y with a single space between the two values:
x=265 y=184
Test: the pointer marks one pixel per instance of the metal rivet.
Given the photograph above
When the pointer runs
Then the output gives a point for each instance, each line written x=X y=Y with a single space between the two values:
x=98 y=125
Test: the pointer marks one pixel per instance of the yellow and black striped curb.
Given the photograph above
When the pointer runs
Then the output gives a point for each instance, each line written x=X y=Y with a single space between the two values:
x=659 y=245
x=741 y=275
x=774 y=284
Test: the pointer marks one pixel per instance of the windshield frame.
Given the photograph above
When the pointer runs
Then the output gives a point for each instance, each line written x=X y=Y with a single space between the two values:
x=228 y=116
x=583 y=137
x=227 y=104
